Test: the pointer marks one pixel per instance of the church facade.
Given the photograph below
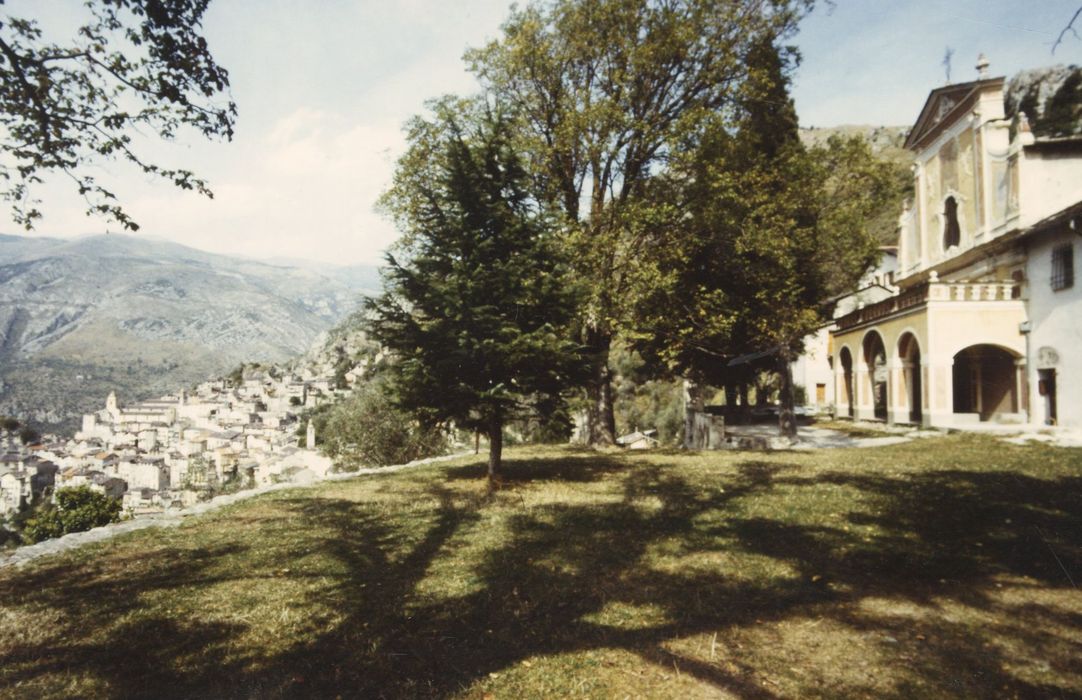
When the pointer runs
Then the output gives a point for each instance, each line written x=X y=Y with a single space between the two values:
x=986 y=323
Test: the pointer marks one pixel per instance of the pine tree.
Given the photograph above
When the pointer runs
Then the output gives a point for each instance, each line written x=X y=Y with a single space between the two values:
x=478 y=311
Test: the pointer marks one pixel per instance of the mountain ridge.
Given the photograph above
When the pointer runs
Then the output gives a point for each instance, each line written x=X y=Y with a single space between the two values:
x=81 y=317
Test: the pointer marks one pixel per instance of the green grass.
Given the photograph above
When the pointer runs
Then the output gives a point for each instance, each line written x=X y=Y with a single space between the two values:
x=938 y=568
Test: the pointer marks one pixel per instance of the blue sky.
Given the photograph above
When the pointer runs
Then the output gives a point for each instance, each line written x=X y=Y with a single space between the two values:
x=324 y=87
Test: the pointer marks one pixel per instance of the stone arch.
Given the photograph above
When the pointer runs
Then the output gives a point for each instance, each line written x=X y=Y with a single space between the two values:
x=986 y=382
x=912 y=376
x=874 y=360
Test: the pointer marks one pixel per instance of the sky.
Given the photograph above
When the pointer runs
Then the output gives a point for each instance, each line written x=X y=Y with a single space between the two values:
x=324 y=87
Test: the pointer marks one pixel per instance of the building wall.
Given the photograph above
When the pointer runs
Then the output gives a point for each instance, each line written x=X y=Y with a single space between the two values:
x=1055 y=339
x=813 y=369
x=941 y=329
x=1051 y=180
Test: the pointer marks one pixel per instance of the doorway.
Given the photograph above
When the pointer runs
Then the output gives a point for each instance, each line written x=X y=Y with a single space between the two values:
x=1046 y=387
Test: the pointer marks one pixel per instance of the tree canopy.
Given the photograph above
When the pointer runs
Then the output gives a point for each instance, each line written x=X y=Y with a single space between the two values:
x=134 y=66
x=477 y=305
x=606 y=90
x=761 y=232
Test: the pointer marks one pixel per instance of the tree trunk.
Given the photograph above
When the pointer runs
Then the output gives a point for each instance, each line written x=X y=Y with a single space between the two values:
x=786 y=397
x=730 y=401
x=495 y=451
x=600 y=416
x=745 y=408
x=693 y=403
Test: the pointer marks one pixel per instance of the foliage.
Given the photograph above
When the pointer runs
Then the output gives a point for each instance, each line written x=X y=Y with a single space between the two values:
x=318 y=416
x=606 y=90
x=477 y=310
x=368 y=429
x=133 y=67
x=763 y=232
x=200 y=474
x=236 y=376
x=28 y=435
x=10 y=424
x=342 y=365
x=645 y=402
x=77 y=509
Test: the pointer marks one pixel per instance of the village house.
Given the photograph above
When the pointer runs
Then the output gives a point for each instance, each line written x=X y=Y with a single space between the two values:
x=174 y=449
x=14 y=484
x=985 y=324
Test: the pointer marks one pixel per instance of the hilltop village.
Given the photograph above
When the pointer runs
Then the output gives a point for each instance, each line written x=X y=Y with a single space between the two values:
x=174 y=451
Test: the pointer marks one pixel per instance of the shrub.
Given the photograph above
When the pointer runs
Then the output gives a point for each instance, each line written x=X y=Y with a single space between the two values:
x=76 y=510
x=368 y=429
x=29 y=435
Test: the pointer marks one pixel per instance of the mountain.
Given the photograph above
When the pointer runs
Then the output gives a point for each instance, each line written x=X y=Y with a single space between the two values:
x=82 y=317
x=886 y=143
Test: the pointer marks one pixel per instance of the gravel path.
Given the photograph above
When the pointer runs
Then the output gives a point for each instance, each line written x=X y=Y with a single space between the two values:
x=172 y=518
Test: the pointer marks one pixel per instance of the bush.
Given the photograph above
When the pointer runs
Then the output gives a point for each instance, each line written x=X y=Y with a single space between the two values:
x=28 y=435
x=76 y=510
x=368 y=429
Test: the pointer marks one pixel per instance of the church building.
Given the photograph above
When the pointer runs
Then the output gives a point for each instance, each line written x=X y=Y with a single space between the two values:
x=986 y=323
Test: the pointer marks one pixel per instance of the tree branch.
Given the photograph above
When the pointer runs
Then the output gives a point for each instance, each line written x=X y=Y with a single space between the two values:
x=1069 y=28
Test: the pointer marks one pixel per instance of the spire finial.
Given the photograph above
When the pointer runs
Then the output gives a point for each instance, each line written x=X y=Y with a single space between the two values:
x=982 y=67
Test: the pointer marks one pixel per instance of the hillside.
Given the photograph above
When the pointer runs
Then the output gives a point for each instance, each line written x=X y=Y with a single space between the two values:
x=1051 y=99
x=917 y=570
x=82 y=317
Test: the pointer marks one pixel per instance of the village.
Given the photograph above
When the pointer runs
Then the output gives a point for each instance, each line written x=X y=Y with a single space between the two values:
x=179 y=449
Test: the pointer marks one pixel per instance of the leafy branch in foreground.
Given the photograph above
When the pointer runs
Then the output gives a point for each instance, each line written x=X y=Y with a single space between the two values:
x=134 y=66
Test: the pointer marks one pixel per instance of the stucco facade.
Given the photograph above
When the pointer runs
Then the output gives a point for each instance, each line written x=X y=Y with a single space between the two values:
x=985 y=326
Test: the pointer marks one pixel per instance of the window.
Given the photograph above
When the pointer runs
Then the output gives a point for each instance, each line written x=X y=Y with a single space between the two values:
x=952 y=233
x=1062 y=267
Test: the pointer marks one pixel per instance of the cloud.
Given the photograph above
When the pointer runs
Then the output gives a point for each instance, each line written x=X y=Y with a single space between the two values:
x=304 y=189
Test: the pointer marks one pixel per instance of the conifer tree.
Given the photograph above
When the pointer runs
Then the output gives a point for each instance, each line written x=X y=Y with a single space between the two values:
x=477 y=306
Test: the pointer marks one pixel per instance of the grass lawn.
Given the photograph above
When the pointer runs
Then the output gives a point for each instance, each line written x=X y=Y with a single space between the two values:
x=944 y=567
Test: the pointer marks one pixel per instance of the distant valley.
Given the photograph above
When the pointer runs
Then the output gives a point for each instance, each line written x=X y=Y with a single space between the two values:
x=82 y=317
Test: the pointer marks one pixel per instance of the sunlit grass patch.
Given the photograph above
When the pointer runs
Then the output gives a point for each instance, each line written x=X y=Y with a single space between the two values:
x=941 y=567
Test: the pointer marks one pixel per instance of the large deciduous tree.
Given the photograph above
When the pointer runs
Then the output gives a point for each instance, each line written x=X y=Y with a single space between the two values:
x=134 y=66
x=477 y=306
x=606 y=89
x=762 y=233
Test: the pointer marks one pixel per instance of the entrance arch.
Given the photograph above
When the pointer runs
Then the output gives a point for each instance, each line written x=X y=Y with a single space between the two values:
x=875 y=361
x=985 y=382
x=912 y=379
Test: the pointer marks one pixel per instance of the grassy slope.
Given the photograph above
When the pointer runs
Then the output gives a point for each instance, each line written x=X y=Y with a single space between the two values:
x=935 y=568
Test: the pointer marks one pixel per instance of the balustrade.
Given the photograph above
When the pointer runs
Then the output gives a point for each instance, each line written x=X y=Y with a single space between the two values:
x=930 y=291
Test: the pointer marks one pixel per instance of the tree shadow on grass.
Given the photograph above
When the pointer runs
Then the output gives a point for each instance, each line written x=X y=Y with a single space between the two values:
x=99 y=629
x=572 y=577
x=575 y=466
